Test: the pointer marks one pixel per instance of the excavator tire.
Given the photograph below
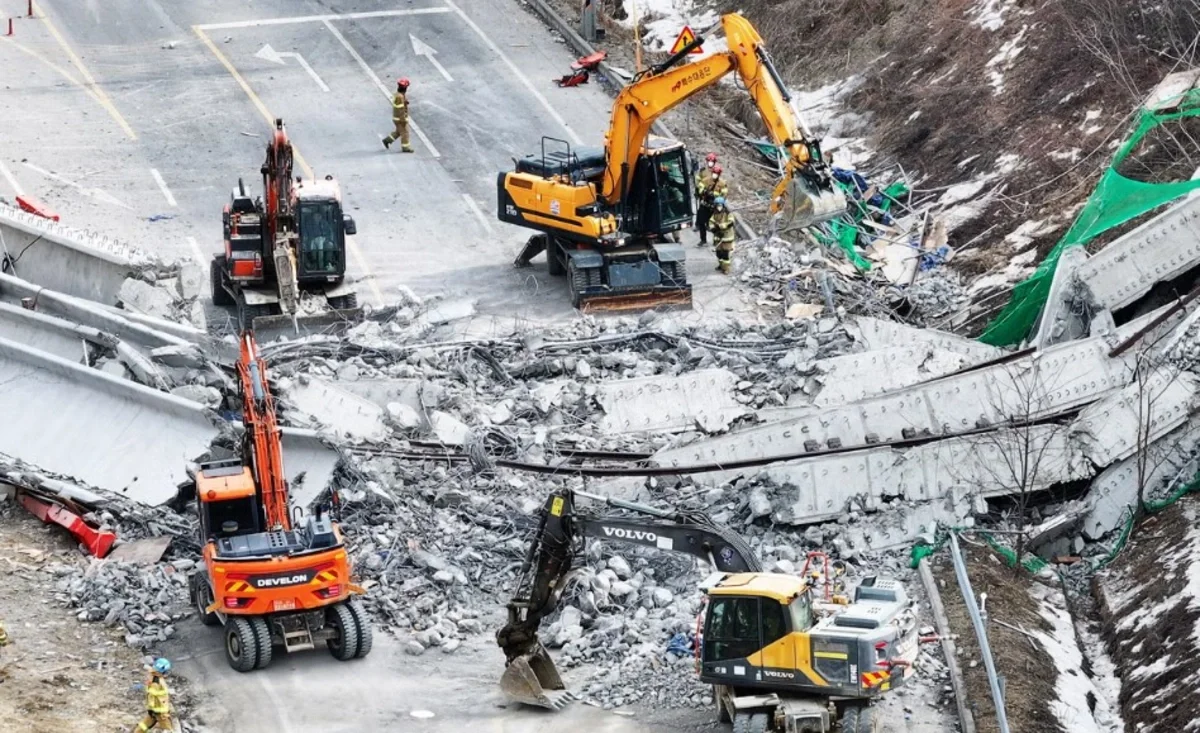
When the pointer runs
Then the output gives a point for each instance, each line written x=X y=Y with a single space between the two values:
x=755 y=723
x=216 y=276
x=344 y=302
x=241 y=646
x=202 y=597
x=858 y=719
x=366 y=635
x=344 y=645
x=262 y=634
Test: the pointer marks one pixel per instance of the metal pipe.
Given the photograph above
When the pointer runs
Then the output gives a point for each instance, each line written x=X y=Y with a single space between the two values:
x=631 y=506
x=985 y=649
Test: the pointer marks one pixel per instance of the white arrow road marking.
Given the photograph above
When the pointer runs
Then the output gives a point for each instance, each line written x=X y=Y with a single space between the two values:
x=267 y=53
x=421 y=48
x=90 y=192
x=196 y=252
x=379 y=85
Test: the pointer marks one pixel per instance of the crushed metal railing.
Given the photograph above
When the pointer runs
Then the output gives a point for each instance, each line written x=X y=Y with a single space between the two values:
x=977 y=620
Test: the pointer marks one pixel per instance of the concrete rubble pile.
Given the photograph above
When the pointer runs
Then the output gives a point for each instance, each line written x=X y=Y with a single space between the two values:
x=146 y=601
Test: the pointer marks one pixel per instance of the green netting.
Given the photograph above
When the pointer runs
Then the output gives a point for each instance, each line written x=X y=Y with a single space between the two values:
x=1116 y=200
x=923 y=549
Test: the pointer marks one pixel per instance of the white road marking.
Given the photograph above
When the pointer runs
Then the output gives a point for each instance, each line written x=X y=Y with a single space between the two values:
x=322 y=18
x=267 y=53
x=196 y=251
x=8 y=176
x=513 y=67
x=478 y=213
x=420 y=48
x=91 y=192
x=162 y=186
x=379 y=84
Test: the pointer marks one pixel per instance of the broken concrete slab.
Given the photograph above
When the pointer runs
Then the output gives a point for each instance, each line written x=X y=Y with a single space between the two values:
x=340 y=411
x=1110 y=430
x=141 y=552
x=670 y=404
x=876 y=333
x=105 y=432
x=180 y=356
x=852 y=377
x=139 y=296
x=207 y=396
x=416 y=393
x=448 y=429
x=46 y=333
x=309 y=463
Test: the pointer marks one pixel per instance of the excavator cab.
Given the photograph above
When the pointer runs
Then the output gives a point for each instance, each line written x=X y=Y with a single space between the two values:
x=660 y=194
x=322 y=229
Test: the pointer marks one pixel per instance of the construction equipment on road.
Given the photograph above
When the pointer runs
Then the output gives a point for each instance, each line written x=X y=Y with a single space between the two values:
x=609 y=218
x=294 y=242
x=269 y=581
x=783 y=652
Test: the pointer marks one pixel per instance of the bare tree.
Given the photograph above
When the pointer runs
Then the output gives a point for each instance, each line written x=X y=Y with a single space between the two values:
x=1023 y=450
x=1156 y=373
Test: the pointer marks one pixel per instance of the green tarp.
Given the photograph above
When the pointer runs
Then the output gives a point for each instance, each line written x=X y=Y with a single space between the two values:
x=1116 y=200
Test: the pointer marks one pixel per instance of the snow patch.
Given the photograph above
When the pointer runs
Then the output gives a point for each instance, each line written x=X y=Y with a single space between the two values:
x=1073 y=688
x=989 y=14
x=663 y=21
x=1004 y=58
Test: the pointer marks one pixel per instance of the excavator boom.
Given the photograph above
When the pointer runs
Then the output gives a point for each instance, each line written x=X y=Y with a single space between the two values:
x=530 y=675
x=263 y=435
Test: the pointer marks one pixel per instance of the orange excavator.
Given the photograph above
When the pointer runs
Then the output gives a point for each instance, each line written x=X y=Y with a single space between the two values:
x=271 y=581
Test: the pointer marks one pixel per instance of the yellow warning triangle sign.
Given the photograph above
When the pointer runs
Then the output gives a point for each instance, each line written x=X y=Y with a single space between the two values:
x=686 y=36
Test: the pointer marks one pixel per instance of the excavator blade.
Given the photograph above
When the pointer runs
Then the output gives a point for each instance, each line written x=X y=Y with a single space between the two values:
x=798 y=204
x=533 y=679
x=335 y=322
x=617 y=302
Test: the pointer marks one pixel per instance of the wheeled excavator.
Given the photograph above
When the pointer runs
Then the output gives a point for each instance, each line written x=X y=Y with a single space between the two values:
x=785 y=653
x=271 y=580
x=293 y=241
x=606 y=217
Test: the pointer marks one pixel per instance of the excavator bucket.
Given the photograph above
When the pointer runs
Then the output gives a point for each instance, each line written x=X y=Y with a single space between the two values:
x=798 y=204
x=617 y=302
x=533 y=679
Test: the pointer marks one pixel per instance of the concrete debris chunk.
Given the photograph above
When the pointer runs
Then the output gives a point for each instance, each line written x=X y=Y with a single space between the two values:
x=448 y=429
x=142 y=297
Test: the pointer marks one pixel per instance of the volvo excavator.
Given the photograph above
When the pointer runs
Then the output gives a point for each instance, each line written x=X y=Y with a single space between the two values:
x=271 y=580
x=606 y=217
x=787 y=653
x=294 y=241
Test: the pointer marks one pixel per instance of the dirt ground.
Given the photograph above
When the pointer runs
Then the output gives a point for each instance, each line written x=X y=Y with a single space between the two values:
x=1028 y=670
x=57 y=674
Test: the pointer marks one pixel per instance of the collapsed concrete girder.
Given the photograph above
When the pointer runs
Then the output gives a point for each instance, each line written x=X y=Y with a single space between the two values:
x=663 y=403
x=105 y=431
x=67 y=260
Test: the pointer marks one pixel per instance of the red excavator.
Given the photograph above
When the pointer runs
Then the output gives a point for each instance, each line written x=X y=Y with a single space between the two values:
x=272 y=582
x=294 y=241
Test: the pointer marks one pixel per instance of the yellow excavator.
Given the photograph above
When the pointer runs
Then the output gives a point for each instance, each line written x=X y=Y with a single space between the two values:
x=607 y=217
x=787 y=653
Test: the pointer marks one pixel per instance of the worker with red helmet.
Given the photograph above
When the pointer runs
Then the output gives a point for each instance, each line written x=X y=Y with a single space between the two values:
x=709 y=185
x=400 y=117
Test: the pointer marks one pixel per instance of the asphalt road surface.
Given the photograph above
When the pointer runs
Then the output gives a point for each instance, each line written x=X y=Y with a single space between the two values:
x=136 y=118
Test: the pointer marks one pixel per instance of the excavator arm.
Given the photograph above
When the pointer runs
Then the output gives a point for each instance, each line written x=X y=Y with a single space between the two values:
x=530 y=675
x=806 y=194
x=262 y=435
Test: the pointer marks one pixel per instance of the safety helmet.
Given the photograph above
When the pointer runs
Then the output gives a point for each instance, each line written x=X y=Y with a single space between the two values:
x=716 y=169
x=719 y=201
x=711 y=157
x=402 y=82
x=162 y=665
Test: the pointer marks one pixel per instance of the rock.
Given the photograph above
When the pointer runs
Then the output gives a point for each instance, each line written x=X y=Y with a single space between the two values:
x=444 y=576
x=621 y=589
x=206 y=396
x=449 y=430
x=114 y=367
x=571 y=616
x=760 y=505
x=620 y=566
x=348 y=372
x=451 y=646
x=583 y=370
x=414 y=648
x=501 y=412
x=183 y=356
x=141 y=297
x=787 y=567
x=423 y=559
x=404 y=417
x=191 y=282
x=662 y=597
